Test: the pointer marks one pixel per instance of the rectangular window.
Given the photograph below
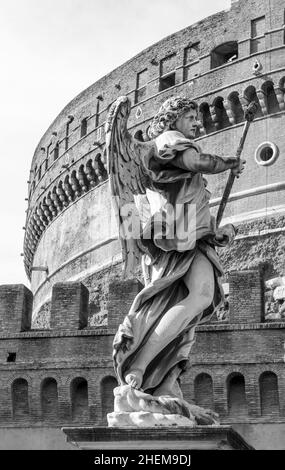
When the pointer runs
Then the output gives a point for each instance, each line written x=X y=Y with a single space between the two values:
x=56 y=151
x=141 y=86
x=284 y=25
x=47 y=158
x=11 y=357
x=83 y=127
x=167 y=72
x=167 y=81
x=97 y=113
x=67 y=136
x=258 y=27
x=191 y=53
x=257 y=35
x=168 y=64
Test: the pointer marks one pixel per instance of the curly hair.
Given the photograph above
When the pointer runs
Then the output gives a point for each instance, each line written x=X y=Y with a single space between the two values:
x=168 y=114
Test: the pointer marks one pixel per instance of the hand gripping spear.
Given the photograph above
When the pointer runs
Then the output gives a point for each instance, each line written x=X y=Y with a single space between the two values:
x=249 y=116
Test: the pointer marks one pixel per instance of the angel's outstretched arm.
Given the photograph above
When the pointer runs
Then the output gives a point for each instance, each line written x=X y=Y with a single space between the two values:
x=205 y=163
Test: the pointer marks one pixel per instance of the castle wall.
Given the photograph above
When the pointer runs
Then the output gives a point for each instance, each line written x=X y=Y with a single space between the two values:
x=64 y=375
x=57 y=369
x=68 y=168
x=81 y=238
x=254 y=176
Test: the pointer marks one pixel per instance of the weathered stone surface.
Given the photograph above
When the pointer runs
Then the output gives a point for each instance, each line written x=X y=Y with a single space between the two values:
x=265 y=250
x=203 y=437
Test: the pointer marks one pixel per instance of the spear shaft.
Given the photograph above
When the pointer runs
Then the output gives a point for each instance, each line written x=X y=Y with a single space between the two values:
x=249 y=116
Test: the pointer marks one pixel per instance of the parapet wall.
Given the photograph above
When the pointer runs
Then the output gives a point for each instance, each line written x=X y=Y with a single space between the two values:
x=70 y=300
x=64 y=374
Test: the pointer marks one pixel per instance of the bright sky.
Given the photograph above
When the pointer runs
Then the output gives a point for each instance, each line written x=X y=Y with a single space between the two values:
x=50 y=51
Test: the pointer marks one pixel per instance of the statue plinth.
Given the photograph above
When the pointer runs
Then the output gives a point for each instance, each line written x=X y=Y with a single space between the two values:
x=198 y=438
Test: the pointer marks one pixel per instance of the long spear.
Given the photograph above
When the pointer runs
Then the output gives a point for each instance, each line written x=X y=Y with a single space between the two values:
x=249 y=116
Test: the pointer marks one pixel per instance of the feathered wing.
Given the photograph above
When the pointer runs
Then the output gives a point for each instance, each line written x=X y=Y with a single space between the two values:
x=128 y=179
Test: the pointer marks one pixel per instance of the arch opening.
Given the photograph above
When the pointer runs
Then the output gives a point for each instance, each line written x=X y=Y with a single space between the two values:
x=225 y=53
x=269 y=397
x=236 y=107
x=271 y=101
x=107 y=396
x=237 y=404
x=206 y=118
x=203 y=391
x=20 y=399
x=222 y=120
x=49 y=398
x=79 y=399
x=250 y=95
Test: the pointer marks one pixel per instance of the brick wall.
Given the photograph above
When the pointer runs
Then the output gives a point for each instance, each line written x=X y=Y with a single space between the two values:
x=70 y=369
x=246 y=297
x=121 y=296
x=69 y=305
x=15 y=308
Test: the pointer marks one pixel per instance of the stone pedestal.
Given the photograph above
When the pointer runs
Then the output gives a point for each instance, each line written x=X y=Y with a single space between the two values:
x=198 y=438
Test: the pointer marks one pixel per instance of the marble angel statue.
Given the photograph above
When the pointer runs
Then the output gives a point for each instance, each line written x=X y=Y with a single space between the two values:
x=153 y=185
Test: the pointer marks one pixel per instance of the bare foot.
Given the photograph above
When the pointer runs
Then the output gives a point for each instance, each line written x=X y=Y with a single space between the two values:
x=203 y=416
x=134 y=378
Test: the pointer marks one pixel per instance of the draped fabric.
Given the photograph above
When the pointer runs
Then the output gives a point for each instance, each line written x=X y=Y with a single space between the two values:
x=169 y=258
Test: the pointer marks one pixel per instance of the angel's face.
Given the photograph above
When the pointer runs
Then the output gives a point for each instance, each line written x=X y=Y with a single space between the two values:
x=187 y=123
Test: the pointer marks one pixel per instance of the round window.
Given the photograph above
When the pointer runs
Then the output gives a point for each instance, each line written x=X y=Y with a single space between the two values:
x=266 y=154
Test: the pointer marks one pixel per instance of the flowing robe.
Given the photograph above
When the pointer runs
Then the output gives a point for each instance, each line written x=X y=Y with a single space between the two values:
x=169 y=258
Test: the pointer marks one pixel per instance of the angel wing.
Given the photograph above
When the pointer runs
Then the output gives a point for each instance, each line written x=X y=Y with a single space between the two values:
x=128 y=179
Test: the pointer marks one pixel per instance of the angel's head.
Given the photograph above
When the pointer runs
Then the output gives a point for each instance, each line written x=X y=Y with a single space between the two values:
x=176 y=113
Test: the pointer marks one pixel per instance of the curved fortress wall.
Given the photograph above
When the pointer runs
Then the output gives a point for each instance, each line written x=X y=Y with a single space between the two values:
x=223 y=62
